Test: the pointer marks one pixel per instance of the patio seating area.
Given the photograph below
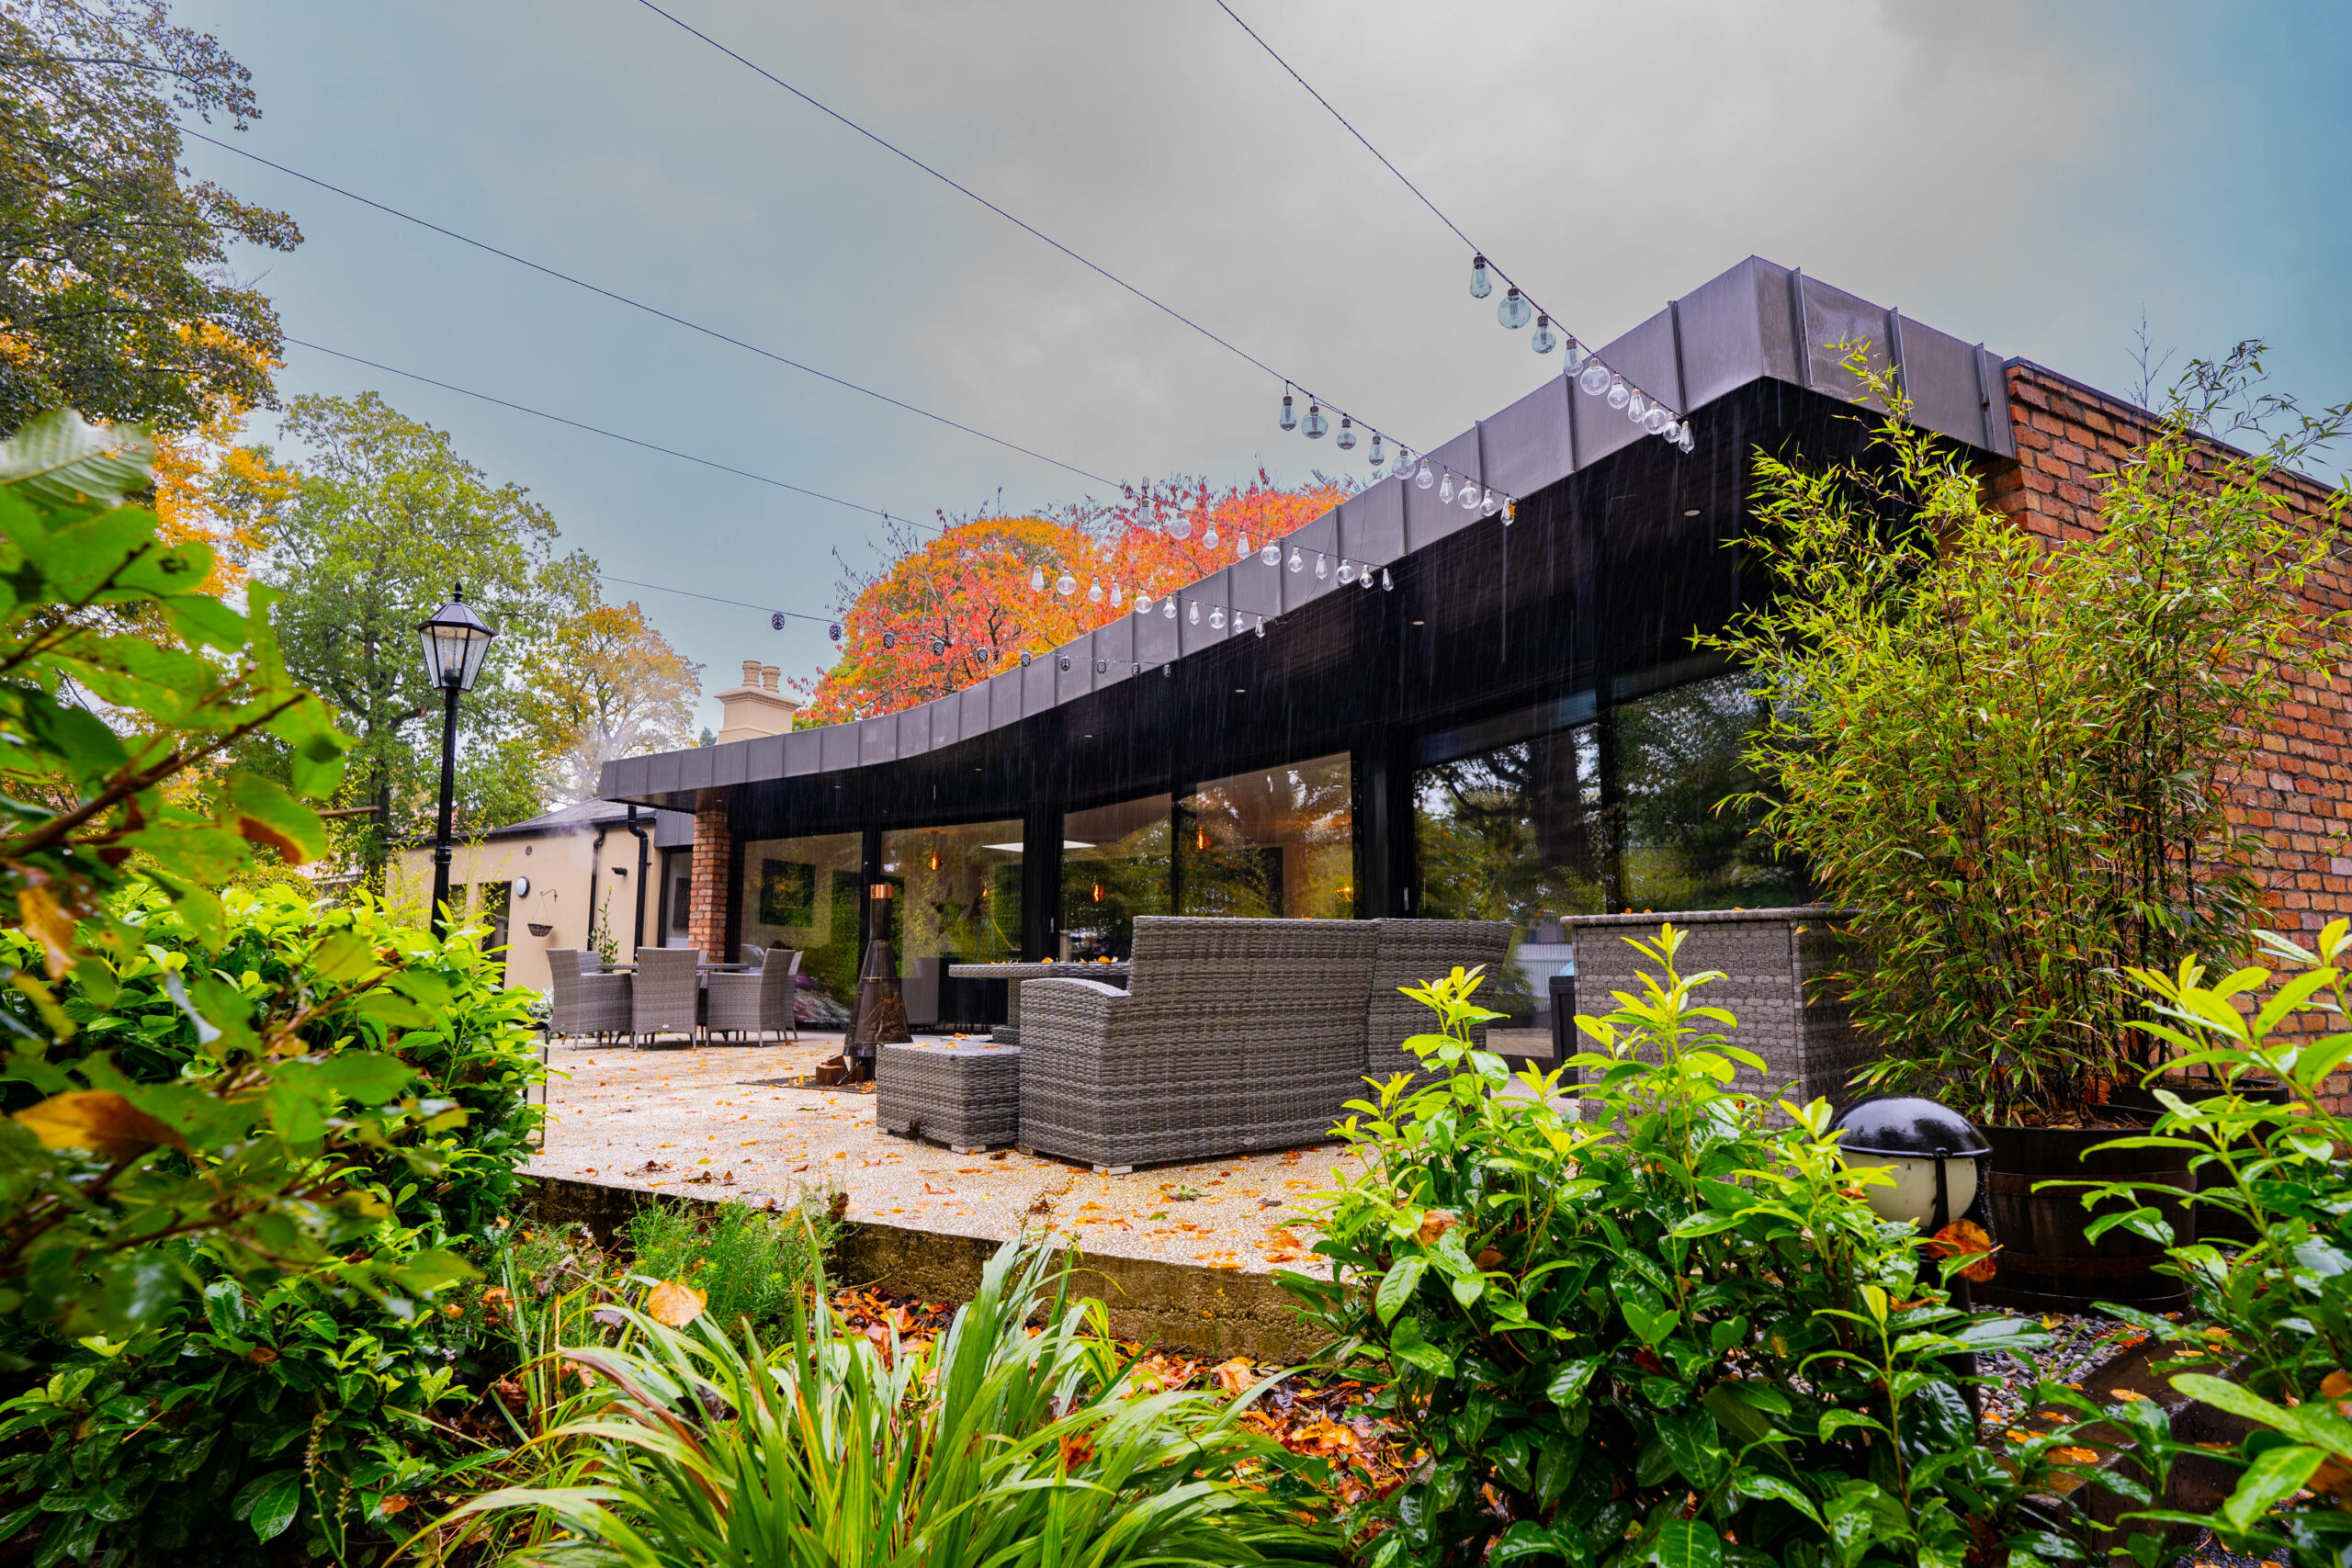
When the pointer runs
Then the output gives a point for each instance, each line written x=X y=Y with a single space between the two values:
x=674 y=991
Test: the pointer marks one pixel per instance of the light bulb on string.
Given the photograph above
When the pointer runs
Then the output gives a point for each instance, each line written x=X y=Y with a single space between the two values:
x=1375 y=456
x=834 y=631
x=1469 y=498
x=1216 y=618
x=1142 y=604
x=1656 y=421
x=1446 y=489
x=1036 y=580
x=1346 y=440
x=1366 y=578
x=1422 y=480
x=1318 y=426
x=1689 y=441
x=1118 y=595
x=1638 y=407
x=1195 y=616
x=1064 y=585
x=1290 y=414
x=1179 y=526
x=1514 y=310
x=1260 y=628
x=1241 y=547
x=1094 y=591
x=1488 y=504
x=1298 y=561
x=1209 y=538
x=1673 y=431
x=1322 y=567
x=1347 y=571
x=1593 y=378
x=1271 y=555
x=1167 y=607
x=1482 y=282
x=1618 y=392
x=890 y=640
x=1388 y=584
x=1544 y=341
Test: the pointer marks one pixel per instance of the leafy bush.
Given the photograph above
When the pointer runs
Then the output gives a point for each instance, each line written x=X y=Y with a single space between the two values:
x=280 y=1395
x=2273 y=1311
x=122 y=683
x=2019 y=762
x=751 y=1264
x=998 y=1445
x=1668 y=1332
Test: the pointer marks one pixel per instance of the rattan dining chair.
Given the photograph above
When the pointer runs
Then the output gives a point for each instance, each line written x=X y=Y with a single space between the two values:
x=586 y=1004
x=758 y=1002
x=667 y=988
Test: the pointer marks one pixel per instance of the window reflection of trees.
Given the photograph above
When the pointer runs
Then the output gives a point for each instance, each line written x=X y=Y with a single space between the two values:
x=1678 y=760
x=1114 y=867
x=1278 y=843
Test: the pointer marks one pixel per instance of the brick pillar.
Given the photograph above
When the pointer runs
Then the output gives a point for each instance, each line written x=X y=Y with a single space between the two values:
x=713 y=891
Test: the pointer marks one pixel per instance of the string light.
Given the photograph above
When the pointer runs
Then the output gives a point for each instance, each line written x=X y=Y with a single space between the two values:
x=1347 y=571
x=1241 y=547
x=1298 y=561
x=1544 y=341
x=1167 y=607
x=1516 y=306
x=1290 y=414
x=1373 y=455
x=1065 y=584
x=1423 y=478
x=1094 y=591
x=1209 y=538
x=1271 y=555
x=1195 y=616
x=1142 y=604
x=1346 y=441
x=1036 y=580
x=1445 y=489
x=1322 y=567
x=1316 y=426
x=1216 y=618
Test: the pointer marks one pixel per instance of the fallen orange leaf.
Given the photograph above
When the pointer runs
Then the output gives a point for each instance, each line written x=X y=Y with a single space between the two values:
x=674 y=1305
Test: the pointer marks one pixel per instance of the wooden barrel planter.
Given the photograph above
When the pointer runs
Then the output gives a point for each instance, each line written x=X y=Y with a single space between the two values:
x=2212 y=1224
x=2045 y=1264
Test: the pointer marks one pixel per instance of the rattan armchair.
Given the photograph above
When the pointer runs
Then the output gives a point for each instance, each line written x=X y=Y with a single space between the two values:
x=586 y=1004
x=1234 y=1035
x=667 y=988
x=1413 y=951
x=758 y=1002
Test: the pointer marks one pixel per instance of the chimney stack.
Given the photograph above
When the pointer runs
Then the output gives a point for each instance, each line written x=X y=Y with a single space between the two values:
x=756 y=707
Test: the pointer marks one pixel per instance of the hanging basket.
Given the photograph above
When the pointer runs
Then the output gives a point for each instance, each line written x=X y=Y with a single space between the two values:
x=539 y=929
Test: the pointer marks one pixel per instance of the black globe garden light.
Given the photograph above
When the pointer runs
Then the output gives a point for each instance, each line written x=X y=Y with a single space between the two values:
x=1936 y=1157
x=455 y=643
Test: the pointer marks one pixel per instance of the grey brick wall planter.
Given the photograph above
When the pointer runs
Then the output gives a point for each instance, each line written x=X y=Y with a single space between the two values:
x=1772 y=960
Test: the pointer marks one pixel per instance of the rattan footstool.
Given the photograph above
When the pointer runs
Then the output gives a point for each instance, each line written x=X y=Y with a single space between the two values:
x=963 y=1093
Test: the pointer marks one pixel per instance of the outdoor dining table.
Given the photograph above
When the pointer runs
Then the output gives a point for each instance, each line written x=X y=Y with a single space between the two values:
x=1008 y=1031
x=702 y=981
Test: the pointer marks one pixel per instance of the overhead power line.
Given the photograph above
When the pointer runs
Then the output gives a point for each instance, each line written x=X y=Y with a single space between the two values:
x=1617 y=388
x=1024 y=226
x=611 y=434
x=651 y=310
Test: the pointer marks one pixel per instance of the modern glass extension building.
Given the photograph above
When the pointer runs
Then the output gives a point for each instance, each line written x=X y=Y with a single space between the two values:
x=1476 y=718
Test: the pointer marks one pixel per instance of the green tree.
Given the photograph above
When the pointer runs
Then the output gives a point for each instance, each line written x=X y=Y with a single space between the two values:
x=115 y=293
x=366 y=532
x=606 y=684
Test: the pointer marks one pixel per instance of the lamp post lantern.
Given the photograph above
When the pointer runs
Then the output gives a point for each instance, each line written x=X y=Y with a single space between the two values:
x=455 y=643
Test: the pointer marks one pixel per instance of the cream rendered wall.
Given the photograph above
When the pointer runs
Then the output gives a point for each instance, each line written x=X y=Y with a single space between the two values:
x=557 y=865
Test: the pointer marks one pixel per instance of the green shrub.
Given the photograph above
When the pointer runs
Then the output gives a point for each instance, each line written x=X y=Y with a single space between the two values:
x=2020 y=763
x=2274 y=1311
x=276 y=1397
x=998 y=1445
x=1668 y=1332
x=751 y=1263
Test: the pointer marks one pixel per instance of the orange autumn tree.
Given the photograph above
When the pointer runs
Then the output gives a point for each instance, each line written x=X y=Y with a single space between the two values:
x=950 y=610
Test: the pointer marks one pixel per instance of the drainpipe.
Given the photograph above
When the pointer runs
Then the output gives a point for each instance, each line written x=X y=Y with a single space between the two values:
x=643 y=849
x=595 y=863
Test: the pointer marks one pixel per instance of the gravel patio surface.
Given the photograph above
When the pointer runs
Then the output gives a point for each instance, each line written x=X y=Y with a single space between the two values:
x=721 y=1121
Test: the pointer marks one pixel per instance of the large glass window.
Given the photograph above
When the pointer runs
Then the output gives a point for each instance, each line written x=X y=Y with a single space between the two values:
x=1279 y=842
x=1677 y=761
x=804 y=893
x=1114 y=867
x=956 y=899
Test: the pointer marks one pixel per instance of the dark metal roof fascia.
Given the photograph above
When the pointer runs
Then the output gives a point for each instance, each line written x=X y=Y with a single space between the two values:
x=1758 y=322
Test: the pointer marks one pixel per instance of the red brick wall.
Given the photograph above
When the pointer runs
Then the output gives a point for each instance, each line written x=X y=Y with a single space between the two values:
x=714 y=849
x=2301 y=794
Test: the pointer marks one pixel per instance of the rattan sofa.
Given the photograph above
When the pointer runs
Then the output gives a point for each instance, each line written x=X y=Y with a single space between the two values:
x=1413 y=951
x=1233 y=1035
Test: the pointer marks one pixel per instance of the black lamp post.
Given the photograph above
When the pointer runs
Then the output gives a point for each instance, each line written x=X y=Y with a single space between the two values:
x=455 y=643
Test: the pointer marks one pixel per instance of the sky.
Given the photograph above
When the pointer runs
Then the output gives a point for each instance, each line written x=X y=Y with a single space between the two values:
x=2041 y=177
